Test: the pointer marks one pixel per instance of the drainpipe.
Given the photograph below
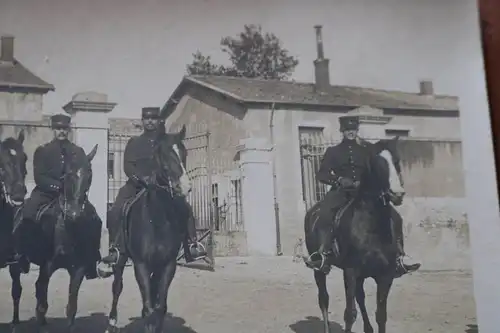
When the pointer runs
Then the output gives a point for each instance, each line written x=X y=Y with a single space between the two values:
x=275 y=184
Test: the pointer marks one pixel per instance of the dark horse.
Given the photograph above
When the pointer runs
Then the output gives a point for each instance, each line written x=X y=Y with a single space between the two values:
x=63 y=238
x=13 y=190
x=154 y=232
x=365 y=238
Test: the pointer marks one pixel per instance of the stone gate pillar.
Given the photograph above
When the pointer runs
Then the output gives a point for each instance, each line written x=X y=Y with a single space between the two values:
x=255 y=159
x=90 y=121
x=372 y=122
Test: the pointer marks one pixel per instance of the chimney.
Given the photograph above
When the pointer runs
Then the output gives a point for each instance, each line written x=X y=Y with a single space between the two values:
x=7 y=53
x=321 y=71
x=426 y=88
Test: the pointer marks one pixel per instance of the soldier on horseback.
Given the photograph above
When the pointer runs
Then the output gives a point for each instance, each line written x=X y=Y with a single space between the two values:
x=342 y=167
x=138 y=166
x=49 y=164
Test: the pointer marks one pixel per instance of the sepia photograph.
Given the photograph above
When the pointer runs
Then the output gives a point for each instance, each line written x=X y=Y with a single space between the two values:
x=232 y=166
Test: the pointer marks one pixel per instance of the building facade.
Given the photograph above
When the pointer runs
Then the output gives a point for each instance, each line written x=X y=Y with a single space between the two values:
x=254 y=147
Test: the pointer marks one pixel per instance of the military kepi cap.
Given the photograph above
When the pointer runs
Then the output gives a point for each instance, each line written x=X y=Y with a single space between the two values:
x=60 y=121
x=151 y=112
x=349 y=123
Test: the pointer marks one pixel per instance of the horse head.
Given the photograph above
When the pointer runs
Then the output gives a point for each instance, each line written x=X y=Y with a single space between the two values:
x=76 y=184
x=386 y=169
x=170 y=156
x=13 y=170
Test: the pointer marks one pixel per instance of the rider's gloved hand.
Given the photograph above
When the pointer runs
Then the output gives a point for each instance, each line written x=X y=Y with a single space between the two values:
x=346 y=182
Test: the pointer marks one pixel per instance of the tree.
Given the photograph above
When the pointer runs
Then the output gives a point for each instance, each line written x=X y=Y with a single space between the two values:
x=252 y=53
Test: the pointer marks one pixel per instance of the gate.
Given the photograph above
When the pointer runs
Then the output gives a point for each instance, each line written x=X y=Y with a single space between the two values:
x=201 y=197
x=199 y=169
x=312 y=148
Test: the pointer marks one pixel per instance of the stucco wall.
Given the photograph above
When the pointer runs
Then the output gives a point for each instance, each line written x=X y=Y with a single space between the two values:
x=24 y=111
x=21 y=106
x=291 y=205
x=224 y=120
x=438 y=244
x=208 y=112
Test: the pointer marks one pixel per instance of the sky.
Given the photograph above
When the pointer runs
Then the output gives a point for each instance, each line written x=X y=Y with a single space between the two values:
x=136 y=51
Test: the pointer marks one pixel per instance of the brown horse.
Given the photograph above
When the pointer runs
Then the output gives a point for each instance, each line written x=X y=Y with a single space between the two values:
x=66 y=236
x=367 y=248
x=154 y=232
x=13 y=190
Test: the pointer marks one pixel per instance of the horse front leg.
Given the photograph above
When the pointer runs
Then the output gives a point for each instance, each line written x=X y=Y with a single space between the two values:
x=16 y=292
x=323 y=298
x=350 y=312
x=75 y=281
x=41 y=291
x=142 y=276
x=384 y=285
x=360 y=298
x=166 y=277
x=117 y=288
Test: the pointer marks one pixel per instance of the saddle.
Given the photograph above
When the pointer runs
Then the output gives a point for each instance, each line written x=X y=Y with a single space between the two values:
x=42 y=210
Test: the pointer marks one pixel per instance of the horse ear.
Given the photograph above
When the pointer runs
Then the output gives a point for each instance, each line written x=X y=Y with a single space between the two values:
x=20 y=137
x=92 y=153
x=182 y=133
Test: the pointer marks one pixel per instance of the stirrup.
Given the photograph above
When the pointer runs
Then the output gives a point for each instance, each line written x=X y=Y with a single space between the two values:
x=113 y=249
x=323 y=260
x=202 y=247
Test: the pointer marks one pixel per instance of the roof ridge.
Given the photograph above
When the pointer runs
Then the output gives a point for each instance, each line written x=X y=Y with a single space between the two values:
x=302 y=83
x=253 y=90
x=19 y=76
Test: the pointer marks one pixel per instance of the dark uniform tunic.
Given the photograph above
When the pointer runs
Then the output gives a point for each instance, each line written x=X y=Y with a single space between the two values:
x=138 y=163
x=49 y=163
x=349 y=159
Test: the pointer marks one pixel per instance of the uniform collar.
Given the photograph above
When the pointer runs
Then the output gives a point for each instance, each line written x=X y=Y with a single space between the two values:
x=351 y=142
x=61 y=143
x=149 y=134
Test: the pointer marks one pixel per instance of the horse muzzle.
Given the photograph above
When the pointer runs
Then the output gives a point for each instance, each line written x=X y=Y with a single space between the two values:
x=14 y=201
x=14 y=194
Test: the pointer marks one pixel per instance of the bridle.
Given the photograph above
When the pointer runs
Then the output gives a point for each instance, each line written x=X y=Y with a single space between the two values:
x=63 y=201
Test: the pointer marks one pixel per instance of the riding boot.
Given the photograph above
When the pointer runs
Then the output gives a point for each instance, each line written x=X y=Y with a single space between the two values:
x=115 y=251
x=402 y=267
x=193 y=250
x=95 y=225
x=17 y=256
x=328 y=249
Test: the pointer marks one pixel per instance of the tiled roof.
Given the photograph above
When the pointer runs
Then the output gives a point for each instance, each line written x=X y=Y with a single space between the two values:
x=15 y=75
x=258 y=90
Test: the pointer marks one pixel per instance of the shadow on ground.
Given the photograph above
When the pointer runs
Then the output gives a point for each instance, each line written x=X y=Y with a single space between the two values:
x=172 y=324
x=97 y=323
x=472 y=328
x=314 y=324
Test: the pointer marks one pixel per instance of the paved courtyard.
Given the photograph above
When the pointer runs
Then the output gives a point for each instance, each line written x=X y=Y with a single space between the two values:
x=251 y=295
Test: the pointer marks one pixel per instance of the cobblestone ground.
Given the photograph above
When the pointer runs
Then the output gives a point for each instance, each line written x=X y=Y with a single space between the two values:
x=251 y=295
